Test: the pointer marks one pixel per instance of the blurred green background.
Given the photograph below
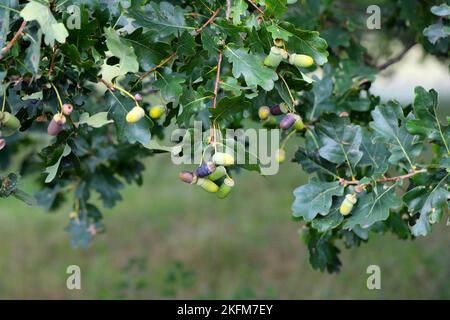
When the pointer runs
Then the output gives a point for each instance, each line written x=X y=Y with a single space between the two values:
x=169 y=240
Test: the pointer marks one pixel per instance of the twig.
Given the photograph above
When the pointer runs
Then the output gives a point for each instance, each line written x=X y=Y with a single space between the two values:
x=108 y=85
x=163 y=62
x=210 y=20
x=16 y=37
x=216 y=84
x=396 y=58
x=383 y=180
x=52 y=63
x=228 y=13
x=256 y=7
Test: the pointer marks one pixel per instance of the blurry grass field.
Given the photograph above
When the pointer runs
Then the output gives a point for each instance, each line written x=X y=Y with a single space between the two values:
x=170 y=240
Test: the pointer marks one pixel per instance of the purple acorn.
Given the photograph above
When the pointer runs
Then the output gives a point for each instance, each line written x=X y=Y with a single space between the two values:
x=187 y=176
x=205 y=170
x=55 y=126
x=288 y=121
x=276 y=110
x=138 y=97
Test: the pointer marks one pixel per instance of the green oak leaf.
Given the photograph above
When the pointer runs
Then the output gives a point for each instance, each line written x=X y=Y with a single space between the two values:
x=373 y=207
x=53 y=170
x=52 y=29
x=311 y=162
x=315 y=198
x=97 y=120
x=192 y=102
x=375 y=155
x=442 y=10
x=426 y=122
x=306 y=42
x=341 y=141
x=228 y=107
x=323 y=254
x=436 y=31
x=170 y=86
x=33 y=57
x=4 y=20
x=322 y=90
x=430 y=202
x=276 y=8
x=238 y=9
x=332 y=220
x=163 y=19
x=251 y=67
x=122 y=50
x=401 y=144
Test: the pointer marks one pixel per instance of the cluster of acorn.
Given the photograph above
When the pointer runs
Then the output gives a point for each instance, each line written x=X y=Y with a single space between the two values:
x=9 y=124
x=212 y=176
x=290 y=120
x=278 y=54
x=137 y=113
x=59 y=120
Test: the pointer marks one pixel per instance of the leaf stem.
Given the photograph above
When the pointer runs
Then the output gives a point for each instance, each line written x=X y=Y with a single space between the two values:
x=288 y=89
x=4 y=97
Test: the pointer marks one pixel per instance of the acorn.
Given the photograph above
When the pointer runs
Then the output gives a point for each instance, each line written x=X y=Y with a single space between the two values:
x=275 y=57
x=156 y=111
x=188 y=177
x=225 y=188
x=9 y=122
x=205 y=169
x=276 y=110
x=207 y=185
x=301 y=60
x=223 y=159
x=347 y=204
x=280 y=155
x=218 y=173
x=264 y=112
x=67 y=109
x=135 y=114
x=288 y=121
x=299 y=125
x=270 y=123
x=138 y=97
x=2 y=143
x=55 y=126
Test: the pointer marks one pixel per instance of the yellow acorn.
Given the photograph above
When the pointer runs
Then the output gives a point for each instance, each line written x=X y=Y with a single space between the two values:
x=207 y=185
x=280 y=156
x=264 y=112
x=135 y=114
x=301 y=60
x=223 y=159
x=299 y=125
x=156 y=111
x=347 y=204
x=218 y=173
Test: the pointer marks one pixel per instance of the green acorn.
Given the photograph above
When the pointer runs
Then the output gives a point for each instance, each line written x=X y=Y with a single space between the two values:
x=299 y=125
x=9 y=123
x=348 y=203
x=301 y=60
x=275 y=57
x=270 y=123
x=225 y=188
x=207 y=185
x=219 y=173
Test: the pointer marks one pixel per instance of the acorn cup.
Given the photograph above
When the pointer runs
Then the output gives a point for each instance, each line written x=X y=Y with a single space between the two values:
x=67 y=109
x=135 y=114
x=55 y=126
x=347 y=204
x=264 y=112
x=205 y=169
x=9 y=123
x=218 y=173
x=301 y=60
x=223 y=159
x=288 y=121
x=275 y=57
x=188 y=177
x=225 y=188
x=207 y=185
x=156 y=111
x=278 y=42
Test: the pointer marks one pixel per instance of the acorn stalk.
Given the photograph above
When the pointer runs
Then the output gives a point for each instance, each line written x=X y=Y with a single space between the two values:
x=225 y=188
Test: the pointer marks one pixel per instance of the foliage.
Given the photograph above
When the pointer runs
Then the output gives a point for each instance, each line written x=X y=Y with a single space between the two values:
x=174 y=54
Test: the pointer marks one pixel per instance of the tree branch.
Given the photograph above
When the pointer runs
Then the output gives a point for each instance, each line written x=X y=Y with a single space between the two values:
x=16 y=37
x=163 y=62
x=384 y=180
x=216 y=84
x=210 y=20
x=228 y=13
x=396 y=58
x=256 y=7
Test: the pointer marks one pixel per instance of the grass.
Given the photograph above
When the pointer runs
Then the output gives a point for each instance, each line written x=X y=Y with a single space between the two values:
x=170 y=240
